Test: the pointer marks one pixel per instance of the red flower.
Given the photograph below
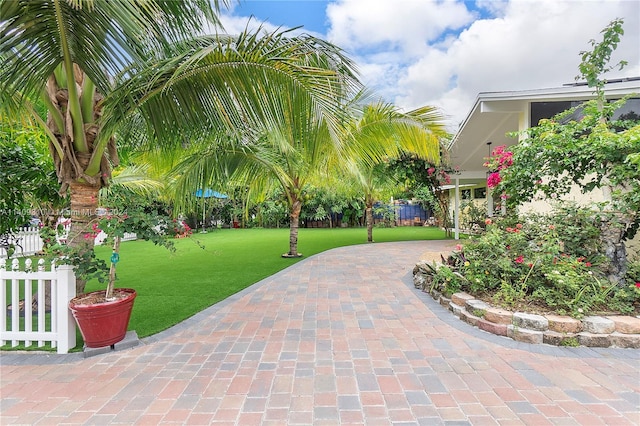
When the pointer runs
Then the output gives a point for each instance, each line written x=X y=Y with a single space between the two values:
x=493 y=180
x=638 y=284
x=587 y=264
x=519 y=259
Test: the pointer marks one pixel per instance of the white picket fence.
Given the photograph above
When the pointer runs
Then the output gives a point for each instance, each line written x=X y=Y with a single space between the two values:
x=26 y=325
x=28 y=241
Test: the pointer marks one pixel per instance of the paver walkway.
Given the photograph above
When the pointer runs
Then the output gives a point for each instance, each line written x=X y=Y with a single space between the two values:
x=339 y=338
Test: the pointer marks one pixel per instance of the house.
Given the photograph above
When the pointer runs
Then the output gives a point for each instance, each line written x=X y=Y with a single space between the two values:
x=495 y=114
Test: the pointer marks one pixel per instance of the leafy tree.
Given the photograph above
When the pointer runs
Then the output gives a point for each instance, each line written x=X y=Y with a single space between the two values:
x=422 y=180
x=25 y=176
x=591 y=152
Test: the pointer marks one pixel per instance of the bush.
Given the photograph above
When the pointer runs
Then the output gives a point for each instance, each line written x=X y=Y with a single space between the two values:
x=548 y=262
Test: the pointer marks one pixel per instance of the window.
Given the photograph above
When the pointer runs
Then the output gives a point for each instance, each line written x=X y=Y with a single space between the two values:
x=540 y=110
x=480 y=193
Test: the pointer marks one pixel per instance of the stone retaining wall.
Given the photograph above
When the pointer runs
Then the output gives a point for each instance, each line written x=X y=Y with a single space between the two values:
x=594 y=331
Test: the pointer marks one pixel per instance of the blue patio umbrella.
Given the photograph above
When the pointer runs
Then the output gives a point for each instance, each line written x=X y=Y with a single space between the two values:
x=207 y=193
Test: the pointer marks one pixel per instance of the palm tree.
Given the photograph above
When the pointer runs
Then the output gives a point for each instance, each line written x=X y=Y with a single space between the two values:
x=287 y=157
x=382 y=128
x=101 y=65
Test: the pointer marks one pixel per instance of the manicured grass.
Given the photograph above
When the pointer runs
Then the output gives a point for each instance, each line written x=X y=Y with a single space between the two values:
x=174 y=286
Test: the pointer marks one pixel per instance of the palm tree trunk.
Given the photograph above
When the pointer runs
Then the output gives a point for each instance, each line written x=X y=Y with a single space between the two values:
x=369 y=221
x=294 y=221
x=84 y=203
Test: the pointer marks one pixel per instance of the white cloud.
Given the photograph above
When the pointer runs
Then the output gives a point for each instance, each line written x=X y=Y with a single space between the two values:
x=527 y=45
x=407 y=25
x=443 y=53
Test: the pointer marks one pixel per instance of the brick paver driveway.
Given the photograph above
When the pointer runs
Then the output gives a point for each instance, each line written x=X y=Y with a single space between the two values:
x=339 y=338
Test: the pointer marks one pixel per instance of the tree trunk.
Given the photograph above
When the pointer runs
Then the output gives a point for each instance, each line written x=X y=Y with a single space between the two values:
x=294 y=219
x=84 y=203
x=612 y=231
x=369 y=222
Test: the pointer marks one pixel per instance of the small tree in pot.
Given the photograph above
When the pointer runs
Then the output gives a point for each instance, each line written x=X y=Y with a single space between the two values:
x=103 y=316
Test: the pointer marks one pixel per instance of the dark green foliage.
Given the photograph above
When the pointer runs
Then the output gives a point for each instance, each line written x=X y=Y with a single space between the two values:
x=26 y=175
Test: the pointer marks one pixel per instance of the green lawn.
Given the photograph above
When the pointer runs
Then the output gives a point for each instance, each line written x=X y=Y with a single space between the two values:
x=174 y=286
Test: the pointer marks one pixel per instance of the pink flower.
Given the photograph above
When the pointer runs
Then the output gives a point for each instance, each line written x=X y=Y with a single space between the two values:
x=430 y=170
x=487 y=221
x=493 y=180
x=519 y=226
x=505 y=160
x=519 y=259
x=638 y=284
x=458 y=247
x=552 y=227
x=587 y=264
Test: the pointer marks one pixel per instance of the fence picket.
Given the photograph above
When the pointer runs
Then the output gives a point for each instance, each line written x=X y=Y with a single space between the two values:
x=61 y=333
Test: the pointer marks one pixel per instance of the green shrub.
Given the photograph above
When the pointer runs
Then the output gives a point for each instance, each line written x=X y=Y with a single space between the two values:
x=552 y=261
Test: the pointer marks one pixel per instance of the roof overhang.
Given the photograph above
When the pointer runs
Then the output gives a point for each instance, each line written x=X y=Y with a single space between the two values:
x=496 y=114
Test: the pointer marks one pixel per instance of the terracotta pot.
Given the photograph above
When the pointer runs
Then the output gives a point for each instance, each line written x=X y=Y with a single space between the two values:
x=103 y=323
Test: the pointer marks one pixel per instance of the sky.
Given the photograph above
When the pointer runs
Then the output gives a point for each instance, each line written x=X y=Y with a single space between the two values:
x=443 y=53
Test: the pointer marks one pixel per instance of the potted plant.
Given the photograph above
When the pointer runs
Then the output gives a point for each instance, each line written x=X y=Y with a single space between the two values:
x=103 y=316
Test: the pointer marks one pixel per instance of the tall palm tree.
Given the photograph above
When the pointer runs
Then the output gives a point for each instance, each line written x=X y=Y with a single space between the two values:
x=99 y=65
x=384 y=129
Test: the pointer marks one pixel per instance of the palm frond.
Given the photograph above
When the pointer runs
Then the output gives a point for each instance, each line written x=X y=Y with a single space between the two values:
x=102 y=37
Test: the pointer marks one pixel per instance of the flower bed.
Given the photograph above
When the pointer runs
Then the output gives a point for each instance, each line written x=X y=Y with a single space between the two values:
x=594 y=331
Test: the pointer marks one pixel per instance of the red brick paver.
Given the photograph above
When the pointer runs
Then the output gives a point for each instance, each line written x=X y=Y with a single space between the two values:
x=339 y=338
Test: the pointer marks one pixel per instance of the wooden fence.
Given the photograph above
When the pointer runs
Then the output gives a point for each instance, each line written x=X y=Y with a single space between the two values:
x=29 y=323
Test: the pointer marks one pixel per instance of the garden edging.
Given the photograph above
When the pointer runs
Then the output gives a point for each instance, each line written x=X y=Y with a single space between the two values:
x=592 y=331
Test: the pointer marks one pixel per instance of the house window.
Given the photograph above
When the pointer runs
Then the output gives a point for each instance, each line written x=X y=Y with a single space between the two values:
x=540 y=110
x=629 y=111
x=465 y=194
x=480 y=193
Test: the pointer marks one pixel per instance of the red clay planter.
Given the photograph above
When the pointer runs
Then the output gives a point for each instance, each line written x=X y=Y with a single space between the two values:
x=103 y=323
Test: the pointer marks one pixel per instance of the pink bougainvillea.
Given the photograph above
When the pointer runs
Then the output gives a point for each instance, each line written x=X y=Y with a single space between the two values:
x=493 y=179
x=499 y=160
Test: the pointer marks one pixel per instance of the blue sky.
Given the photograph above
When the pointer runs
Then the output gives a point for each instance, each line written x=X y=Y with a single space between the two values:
x=443 y=53
x=288 y=13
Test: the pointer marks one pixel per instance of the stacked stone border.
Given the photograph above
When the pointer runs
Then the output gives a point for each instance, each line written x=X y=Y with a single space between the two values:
x=593 y=331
